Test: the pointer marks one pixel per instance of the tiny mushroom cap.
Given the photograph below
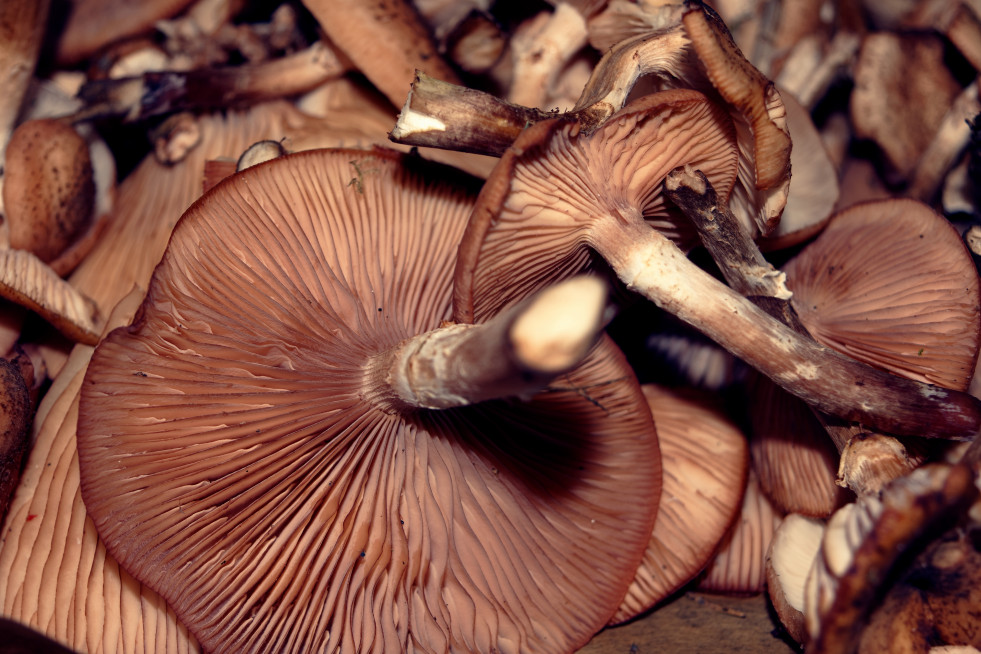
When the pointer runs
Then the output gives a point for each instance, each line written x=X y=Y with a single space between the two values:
x=705 y=463
x=892 y=284
x=245 y=449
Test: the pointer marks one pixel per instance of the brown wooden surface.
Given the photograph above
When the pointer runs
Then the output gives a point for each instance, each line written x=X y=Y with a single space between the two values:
x=698 y=622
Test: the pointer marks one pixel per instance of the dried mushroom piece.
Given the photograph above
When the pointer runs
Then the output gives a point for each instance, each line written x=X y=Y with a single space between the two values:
x=704 y=461
x=251 y=422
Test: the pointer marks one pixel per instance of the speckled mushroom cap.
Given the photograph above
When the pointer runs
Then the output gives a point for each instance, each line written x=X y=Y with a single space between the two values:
x=558 y=194
x=234 y=457
x=891 y=283
x=705 y=464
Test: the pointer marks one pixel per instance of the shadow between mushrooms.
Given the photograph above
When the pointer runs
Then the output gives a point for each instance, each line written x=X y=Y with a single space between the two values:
x=241 y=455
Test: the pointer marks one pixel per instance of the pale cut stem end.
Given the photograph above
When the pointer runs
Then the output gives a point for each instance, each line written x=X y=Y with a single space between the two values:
x=439 y=114
x=515 y=354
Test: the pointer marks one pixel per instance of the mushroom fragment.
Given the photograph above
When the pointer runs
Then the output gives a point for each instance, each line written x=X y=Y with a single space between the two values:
x=251 y=423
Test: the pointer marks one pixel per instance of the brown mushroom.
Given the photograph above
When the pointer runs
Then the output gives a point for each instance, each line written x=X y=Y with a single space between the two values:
x=559 y=193
x=891 y=283
x=48 y=187
x=705 y=462
x=279 y=489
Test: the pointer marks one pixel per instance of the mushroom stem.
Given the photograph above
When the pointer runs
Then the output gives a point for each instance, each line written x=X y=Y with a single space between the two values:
x=652 y=265
x=739 y=258
x=516 y=353
x=442 y=115
x=154 y=93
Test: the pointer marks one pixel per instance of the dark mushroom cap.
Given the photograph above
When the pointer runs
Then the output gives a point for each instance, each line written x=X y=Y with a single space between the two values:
x=556 y=190
x=235 y=458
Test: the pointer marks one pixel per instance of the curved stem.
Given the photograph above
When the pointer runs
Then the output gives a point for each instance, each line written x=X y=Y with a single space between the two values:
x=652 y=265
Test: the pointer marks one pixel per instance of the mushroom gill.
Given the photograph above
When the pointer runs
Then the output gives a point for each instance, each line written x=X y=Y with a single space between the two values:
x=238 y=456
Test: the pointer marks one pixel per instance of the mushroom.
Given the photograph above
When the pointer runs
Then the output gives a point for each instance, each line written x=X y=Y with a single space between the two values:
x=48 y=188
x=867 y=542
x=891 y=283
x=16 y=413
x=387 y=42
x=795 y=545
x=22 y=24
x=902 y=91
x=739 y=563
x=559 y=193
x=282 y=486
x=704 y=461
x=93 y=24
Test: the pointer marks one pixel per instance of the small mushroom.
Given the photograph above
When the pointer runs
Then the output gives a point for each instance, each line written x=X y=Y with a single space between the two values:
x=283 y=485
x=48 y=188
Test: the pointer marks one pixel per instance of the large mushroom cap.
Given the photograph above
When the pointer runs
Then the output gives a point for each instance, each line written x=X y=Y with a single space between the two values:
x=235 y=457
x=556 y=190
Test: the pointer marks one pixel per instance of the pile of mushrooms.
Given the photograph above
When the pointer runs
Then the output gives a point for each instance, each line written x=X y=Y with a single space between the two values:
x=473 y=326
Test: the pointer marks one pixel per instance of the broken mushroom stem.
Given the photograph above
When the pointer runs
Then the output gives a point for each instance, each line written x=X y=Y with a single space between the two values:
x=649 y=263
x=448 y=116
x=160 y=92
x=736 y=253
x=517 y=353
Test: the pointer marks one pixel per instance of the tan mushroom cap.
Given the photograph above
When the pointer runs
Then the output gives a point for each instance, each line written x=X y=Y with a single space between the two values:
x=234 y=458
x=557 y=193
x=796 y=462
x=55 y=574
x=891 y=283
x=739 y=566
x=705 y=461
x=48 y=187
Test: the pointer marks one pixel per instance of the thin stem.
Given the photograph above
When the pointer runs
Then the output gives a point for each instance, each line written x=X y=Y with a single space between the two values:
x=517 y=353
x=652 y=265
x=448 y=116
